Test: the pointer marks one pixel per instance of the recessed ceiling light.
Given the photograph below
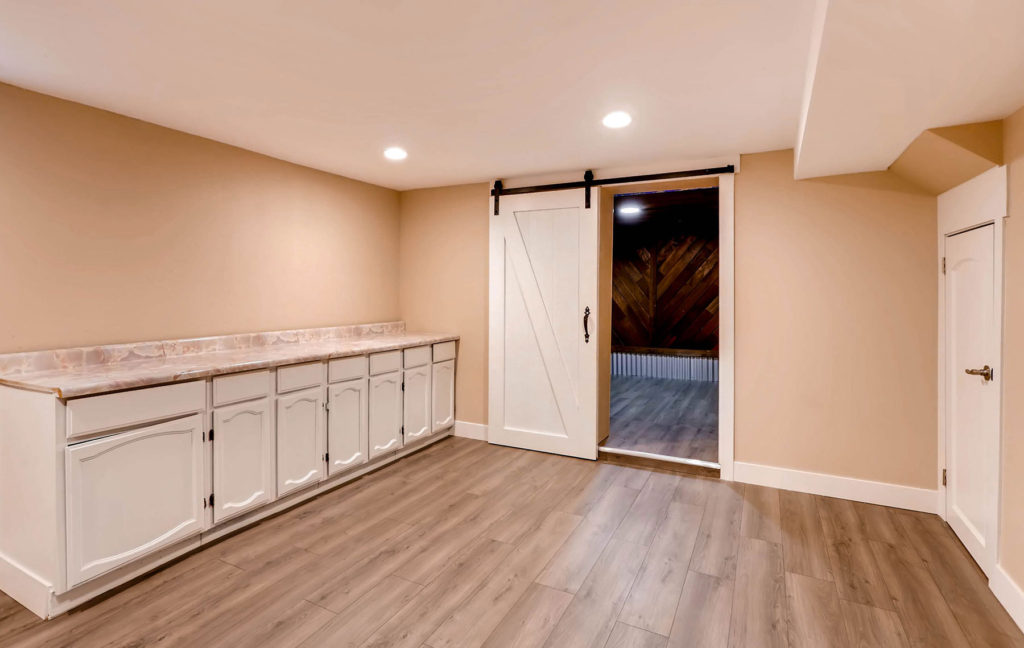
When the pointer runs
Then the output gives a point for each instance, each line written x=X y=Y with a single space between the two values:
x=617 y=119
x=629 y=211
x=395 y=153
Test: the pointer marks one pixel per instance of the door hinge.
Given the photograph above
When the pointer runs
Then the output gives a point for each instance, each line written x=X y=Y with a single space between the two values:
x=943 y=476
x=402 y=431
x=211 y=499
x=327 y=457
x=403 y=385
x=943 y=265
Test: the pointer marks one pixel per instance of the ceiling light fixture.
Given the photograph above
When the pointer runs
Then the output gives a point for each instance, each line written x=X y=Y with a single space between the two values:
x=629 y=211
x=395 y=153
x=617 y=119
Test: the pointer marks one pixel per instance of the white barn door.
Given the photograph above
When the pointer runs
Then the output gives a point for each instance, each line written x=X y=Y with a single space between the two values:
x=543 y=321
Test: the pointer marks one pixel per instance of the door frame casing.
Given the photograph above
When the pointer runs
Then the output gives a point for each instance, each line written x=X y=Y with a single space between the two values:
x=978 y=202
x=726 y=184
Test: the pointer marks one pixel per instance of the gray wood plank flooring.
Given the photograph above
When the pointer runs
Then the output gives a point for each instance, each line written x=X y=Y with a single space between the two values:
x=676 y=418
x=466 y=545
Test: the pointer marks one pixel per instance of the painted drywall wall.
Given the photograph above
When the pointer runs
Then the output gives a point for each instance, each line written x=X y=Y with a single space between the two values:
x=1011 y=547
x=443 y=279
x=836 y=305
x=835 y=323
x=116 y=230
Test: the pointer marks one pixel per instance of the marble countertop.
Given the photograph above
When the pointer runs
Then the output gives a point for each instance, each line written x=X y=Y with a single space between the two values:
x=73 y=381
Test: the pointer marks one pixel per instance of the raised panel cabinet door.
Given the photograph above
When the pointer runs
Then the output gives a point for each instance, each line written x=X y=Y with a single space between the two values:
x=132 y=493
x=385 y=413
x=443 y=396
x=243 y=458
x=347 y=425
x=301 y=428
x=416 y=408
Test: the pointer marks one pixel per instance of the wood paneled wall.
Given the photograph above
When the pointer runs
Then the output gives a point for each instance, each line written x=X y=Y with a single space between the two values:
x=665 y=271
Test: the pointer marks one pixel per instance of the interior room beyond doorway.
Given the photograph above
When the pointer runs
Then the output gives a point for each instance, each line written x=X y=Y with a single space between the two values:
x=665 y=328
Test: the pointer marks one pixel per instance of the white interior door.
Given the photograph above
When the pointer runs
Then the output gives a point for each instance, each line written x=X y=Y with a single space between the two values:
x=543 y=284
x=972 y=384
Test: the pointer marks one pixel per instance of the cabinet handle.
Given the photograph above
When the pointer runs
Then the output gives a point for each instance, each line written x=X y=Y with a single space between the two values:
x=586 y=328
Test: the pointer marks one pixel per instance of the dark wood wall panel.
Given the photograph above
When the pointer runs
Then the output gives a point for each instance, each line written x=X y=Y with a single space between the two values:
x=665 y=272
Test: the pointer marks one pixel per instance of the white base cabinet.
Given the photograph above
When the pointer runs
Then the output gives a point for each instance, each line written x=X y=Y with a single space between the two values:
x=243 y=458
x=301 y=428
x=347 y=425
x=443 y=396
x=98 y=489
x=131 y=493
x=385 y=413
x=416 y=403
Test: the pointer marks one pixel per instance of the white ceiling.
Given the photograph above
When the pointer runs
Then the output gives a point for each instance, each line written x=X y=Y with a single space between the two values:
x=887 y=70
x=474 y=89
x=480 y=89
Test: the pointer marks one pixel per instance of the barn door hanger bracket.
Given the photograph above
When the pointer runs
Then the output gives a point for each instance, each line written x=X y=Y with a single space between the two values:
x=496 y=192
x=588 y=181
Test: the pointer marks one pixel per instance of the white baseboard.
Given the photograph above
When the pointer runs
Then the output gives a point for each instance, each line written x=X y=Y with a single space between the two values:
x=1009 y=593
x=860 y=490
x=469 y=430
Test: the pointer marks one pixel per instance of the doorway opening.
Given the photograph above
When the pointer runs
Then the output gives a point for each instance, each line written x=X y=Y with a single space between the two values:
x=665 y=326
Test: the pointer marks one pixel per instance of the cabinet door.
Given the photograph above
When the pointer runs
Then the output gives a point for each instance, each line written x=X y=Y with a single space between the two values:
x=385 y=413
x=243 y=458
x=416 y=417
x=443 y=396
x=132 y=493
x=347 y=425
x=301 y=428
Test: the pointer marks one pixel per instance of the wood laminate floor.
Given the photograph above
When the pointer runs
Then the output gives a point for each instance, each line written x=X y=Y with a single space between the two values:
x=466 y=544
x=677 y=418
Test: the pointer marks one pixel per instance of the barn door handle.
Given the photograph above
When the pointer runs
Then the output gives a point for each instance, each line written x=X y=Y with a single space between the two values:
x=586 y=321
x=985 y=371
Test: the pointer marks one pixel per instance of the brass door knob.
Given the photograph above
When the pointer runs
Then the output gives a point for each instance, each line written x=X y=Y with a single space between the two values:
x=985 y=372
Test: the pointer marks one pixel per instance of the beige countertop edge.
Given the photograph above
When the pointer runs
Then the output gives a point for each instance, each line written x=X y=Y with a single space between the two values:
x=156 y=378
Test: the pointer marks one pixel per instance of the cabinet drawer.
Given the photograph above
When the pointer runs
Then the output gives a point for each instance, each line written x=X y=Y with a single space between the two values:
x=416 y=356
x=300 y=376
x=240 y=387
x=385 y=362
x=346 y=368
x=93 y=414
x=444 y=351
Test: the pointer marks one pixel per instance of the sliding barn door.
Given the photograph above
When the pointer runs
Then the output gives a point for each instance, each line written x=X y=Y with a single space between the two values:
x=543 y=321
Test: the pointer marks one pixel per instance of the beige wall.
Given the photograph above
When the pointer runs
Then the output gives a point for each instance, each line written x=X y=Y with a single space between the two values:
x=443 y=285
x=836 y=307
x=835 y=323
x=115 y=230
x=1012 y=528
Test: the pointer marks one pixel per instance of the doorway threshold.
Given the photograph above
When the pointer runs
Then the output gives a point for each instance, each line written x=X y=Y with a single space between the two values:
x=654 y=461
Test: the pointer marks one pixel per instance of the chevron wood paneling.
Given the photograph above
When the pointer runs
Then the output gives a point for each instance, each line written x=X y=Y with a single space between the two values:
x=665 y=272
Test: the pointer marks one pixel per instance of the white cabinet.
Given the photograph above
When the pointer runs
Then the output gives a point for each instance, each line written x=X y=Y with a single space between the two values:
x=243 y=458
x=443 y=396
x=347 y=425
x=131 y=493
x=301 y=428
x=416 y=407
x=385 y=413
